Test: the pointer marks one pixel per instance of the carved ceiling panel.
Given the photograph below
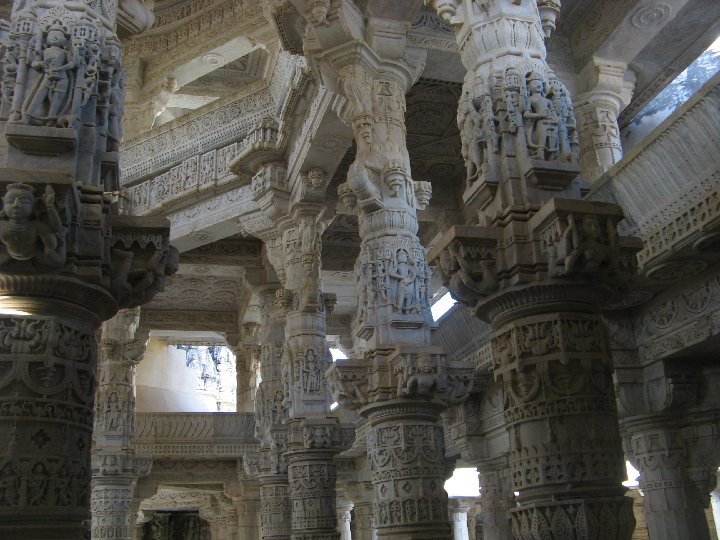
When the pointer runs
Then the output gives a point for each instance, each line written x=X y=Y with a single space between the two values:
x=229 y=78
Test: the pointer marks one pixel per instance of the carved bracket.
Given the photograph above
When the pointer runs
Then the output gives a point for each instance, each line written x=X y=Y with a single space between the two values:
x=466 y=257
x=579 y=238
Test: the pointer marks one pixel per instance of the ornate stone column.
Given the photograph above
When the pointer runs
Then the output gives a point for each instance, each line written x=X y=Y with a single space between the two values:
x=597 y=110
x=361 y=495
x=344 y=517
x=115 y=467
x=314 y=437
x=68 y=261
x=248 y=517
x=459 y=517
x=495 y=498
x=538 y=266
x=403 y=382
x=270 y=414
x=247 y=360
x=293 y=247
x=674 y=501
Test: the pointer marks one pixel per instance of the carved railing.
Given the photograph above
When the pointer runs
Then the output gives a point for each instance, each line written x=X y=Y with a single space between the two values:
x=669 y=185
x=216 y=125
x=187 y=435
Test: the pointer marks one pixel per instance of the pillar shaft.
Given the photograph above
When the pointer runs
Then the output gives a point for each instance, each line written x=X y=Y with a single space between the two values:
x=495 y=504
x=408 y=472
x=46 y=399
x=674 y=503
x=275 y=508
x=115 y=466
x=564 y=459
x=270 y=413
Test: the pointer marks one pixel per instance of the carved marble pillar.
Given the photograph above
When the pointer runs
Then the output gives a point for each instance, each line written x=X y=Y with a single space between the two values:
x=67 y=260
x=115 y=466
x=344 y=516
x=245 y=346
x=495 y=502
x=459 y=517
x=361 y=495
x=715 y=502
x=538 y=267
x=314 y=437
x=675 y=490
x=293 y=247
x=248 y=517
x=403 y=382
x=270 y=414
x=597 y=111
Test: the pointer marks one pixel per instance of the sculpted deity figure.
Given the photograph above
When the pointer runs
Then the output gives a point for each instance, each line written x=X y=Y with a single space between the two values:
x=419 y=380
x=404 y=273
x=583 y=246
x=468 y=123
x=50 y=96
x=113 y=412
x=567 y=126
x=25 y=238
x=541 y=120
x=311 y=373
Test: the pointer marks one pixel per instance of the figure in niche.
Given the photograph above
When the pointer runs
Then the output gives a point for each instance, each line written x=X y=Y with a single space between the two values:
x=37 y=485
x=312 y=373
x=278 y=412
x=541 y=118
x=468 y=122
x=567 y=126
x=25 y=238
x=487 y=136
x=116 y=103
x=404 y=274
x=309 y=236
x=50 y=97
x=513 y=104
x=113 y=412
x=10 y=70
x=63 y=487
x=9 y=485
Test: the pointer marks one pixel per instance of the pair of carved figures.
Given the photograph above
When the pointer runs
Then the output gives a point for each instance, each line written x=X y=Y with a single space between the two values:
x=536 y=111
x=30 y=227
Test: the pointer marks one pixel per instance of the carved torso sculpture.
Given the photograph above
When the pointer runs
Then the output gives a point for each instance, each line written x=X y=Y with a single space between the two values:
x=26 y=238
